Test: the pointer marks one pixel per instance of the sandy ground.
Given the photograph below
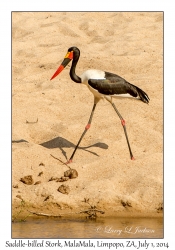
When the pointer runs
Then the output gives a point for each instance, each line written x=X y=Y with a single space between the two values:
x=48 y=117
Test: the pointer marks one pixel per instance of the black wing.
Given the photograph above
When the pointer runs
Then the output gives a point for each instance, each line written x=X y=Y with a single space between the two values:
x=114 y=84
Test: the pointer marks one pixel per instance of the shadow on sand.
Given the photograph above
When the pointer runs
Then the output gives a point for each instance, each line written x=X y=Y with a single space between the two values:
x=61 y=143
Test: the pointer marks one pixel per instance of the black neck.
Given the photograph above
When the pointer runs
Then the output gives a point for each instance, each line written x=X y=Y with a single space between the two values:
x=73 y=75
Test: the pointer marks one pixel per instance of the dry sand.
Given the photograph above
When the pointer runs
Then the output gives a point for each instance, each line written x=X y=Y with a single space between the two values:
x=129 y=44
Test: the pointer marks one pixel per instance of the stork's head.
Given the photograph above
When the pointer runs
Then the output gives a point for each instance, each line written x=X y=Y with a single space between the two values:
x=72 y=53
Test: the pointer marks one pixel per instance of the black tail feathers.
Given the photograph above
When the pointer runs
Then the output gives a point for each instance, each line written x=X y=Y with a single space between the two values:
x=139 y=93
x=143 y=96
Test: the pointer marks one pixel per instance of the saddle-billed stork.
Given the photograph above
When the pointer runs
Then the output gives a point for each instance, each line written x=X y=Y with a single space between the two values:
x=103 y=85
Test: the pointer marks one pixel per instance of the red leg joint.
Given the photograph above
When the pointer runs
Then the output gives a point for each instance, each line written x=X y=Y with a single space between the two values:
x=87 y=126
x=123 y=122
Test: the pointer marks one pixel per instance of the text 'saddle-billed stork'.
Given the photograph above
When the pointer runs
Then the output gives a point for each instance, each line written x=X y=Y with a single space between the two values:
x=103 y=85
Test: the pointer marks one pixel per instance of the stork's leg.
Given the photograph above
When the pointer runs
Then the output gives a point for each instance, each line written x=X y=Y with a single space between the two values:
x=86 y=129
x=124 y=127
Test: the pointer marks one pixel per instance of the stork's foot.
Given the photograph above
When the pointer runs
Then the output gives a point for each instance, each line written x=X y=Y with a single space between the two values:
x=69 y=161
x=132 y=158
